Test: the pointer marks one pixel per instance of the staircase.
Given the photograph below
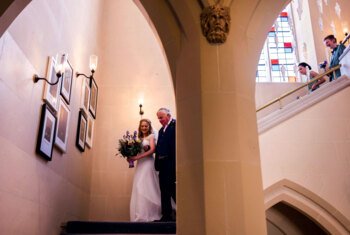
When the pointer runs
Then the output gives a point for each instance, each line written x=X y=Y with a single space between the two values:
x=91 y=227
x=273 y=119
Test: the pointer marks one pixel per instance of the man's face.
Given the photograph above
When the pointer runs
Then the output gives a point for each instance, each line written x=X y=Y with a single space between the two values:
x=163 y=118
x=330 y=43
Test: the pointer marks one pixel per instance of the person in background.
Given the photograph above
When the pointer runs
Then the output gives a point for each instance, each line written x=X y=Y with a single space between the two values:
x=337 y=49
x=305 y=69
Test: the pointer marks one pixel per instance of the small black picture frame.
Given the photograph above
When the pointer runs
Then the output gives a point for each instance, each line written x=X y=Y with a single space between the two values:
x=93 y=97
x=81 y=131
x=47 y=133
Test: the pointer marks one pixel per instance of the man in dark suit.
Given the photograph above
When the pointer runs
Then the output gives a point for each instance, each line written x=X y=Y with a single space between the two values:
x=165 y=162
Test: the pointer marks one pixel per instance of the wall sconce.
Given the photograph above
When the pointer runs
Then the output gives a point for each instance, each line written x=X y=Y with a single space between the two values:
x=346 y=37
x=140 y=105
x=59 y=67
x=93 y=67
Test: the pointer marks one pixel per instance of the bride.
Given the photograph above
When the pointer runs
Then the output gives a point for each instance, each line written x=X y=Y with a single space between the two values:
x=145 y=202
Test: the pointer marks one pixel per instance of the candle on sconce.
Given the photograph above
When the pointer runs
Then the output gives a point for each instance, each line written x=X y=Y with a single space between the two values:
x=93 y=62
x=345 y=30
x=141 y=101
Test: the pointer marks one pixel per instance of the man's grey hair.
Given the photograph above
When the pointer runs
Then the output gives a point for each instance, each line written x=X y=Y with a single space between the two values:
x=164 y=110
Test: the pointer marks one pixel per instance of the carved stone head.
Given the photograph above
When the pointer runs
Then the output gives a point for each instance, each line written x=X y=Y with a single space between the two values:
x=215 y=22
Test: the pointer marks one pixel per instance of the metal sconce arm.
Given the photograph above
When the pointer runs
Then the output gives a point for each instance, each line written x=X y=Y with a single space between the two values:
x=88 y=77
x=141 y=111
x=93 y=66
x=59 y=66
x=36 y=78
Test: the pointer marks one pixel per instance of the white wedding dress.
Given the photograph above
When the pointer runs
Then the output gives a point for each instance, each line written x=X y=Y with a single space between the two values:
x=145 y=202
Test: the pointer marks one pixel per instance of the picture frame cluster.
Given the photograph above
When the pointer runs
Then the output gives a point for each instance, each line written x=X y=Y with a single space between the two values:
x=87 y=114
x=56 y=112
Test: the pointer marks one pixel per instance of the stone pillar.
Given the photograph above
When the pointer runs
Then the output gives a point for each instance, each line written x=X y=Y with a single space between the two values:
x=219 y=177
x=232 y=174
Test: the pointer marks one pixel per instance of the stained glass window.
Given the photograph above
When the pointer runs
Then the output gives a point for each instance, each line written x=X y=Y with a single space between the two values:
x=278 y=58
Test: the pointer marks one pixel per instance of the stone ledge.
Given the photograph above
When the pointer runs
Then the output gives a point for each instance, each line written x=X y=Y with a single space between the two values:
x=271 y=120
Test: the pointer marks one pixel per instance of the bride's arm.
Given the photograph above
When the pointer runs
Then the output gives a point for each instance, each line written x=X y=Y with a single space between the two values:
x=151 y=150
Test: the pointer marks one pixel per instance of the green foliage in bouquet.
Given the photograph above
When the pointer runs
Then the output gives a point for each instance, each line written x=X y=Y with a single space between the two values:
x=129 y=145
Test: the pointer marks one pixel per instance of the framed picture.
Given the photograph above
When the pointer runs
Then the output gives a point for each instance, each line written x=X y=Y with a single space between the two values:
x=46 y=136
x=93 y=97
x=66 y=87
x=90 y=131
x=51 y=93
x=81 y=132
x=85 y=96
x=63 y=117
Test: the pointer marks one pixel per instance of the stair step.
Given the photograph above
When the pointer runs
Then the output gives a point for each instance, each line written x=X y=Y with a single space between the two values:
x=94 y=227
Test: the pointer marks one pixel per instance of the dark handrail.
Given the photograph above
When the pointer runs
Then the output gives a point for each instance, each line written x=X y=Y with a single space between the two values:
x=298 y=88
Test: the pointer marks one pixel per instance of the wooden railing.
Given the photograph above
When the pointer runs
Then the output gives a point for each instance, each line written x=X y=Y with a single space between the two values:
x=278 y=99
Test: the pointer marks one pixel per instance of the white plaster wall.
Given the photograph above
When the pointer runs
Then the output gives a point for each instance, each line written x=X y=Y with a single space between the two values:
x=37 y=196
x=312 y=150
x=304 y=34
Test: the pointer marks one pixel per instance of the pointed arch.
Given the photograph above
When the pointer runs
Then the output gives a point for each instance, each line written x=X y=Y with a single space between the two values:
x=307 y=202
x=9 y=10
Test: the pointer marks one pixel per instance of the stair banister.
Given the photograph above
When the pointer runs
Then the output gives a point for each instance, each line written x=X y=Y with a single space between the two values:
x=332 y=70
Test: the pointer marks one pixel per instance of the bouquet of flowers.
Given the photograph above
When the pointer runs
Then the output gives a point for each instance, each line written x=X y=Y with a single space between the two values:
x=129 y=146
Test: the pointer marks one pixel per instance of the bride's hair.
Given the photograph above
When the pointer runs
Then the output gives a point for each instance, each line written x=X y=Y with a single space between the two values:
x=150 y=130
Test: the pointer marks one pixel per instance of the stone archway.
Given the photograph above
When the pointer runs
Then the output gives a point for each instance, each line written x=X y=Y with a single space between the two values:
x=9 y=10
x=248 y=32
x=307 y=202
